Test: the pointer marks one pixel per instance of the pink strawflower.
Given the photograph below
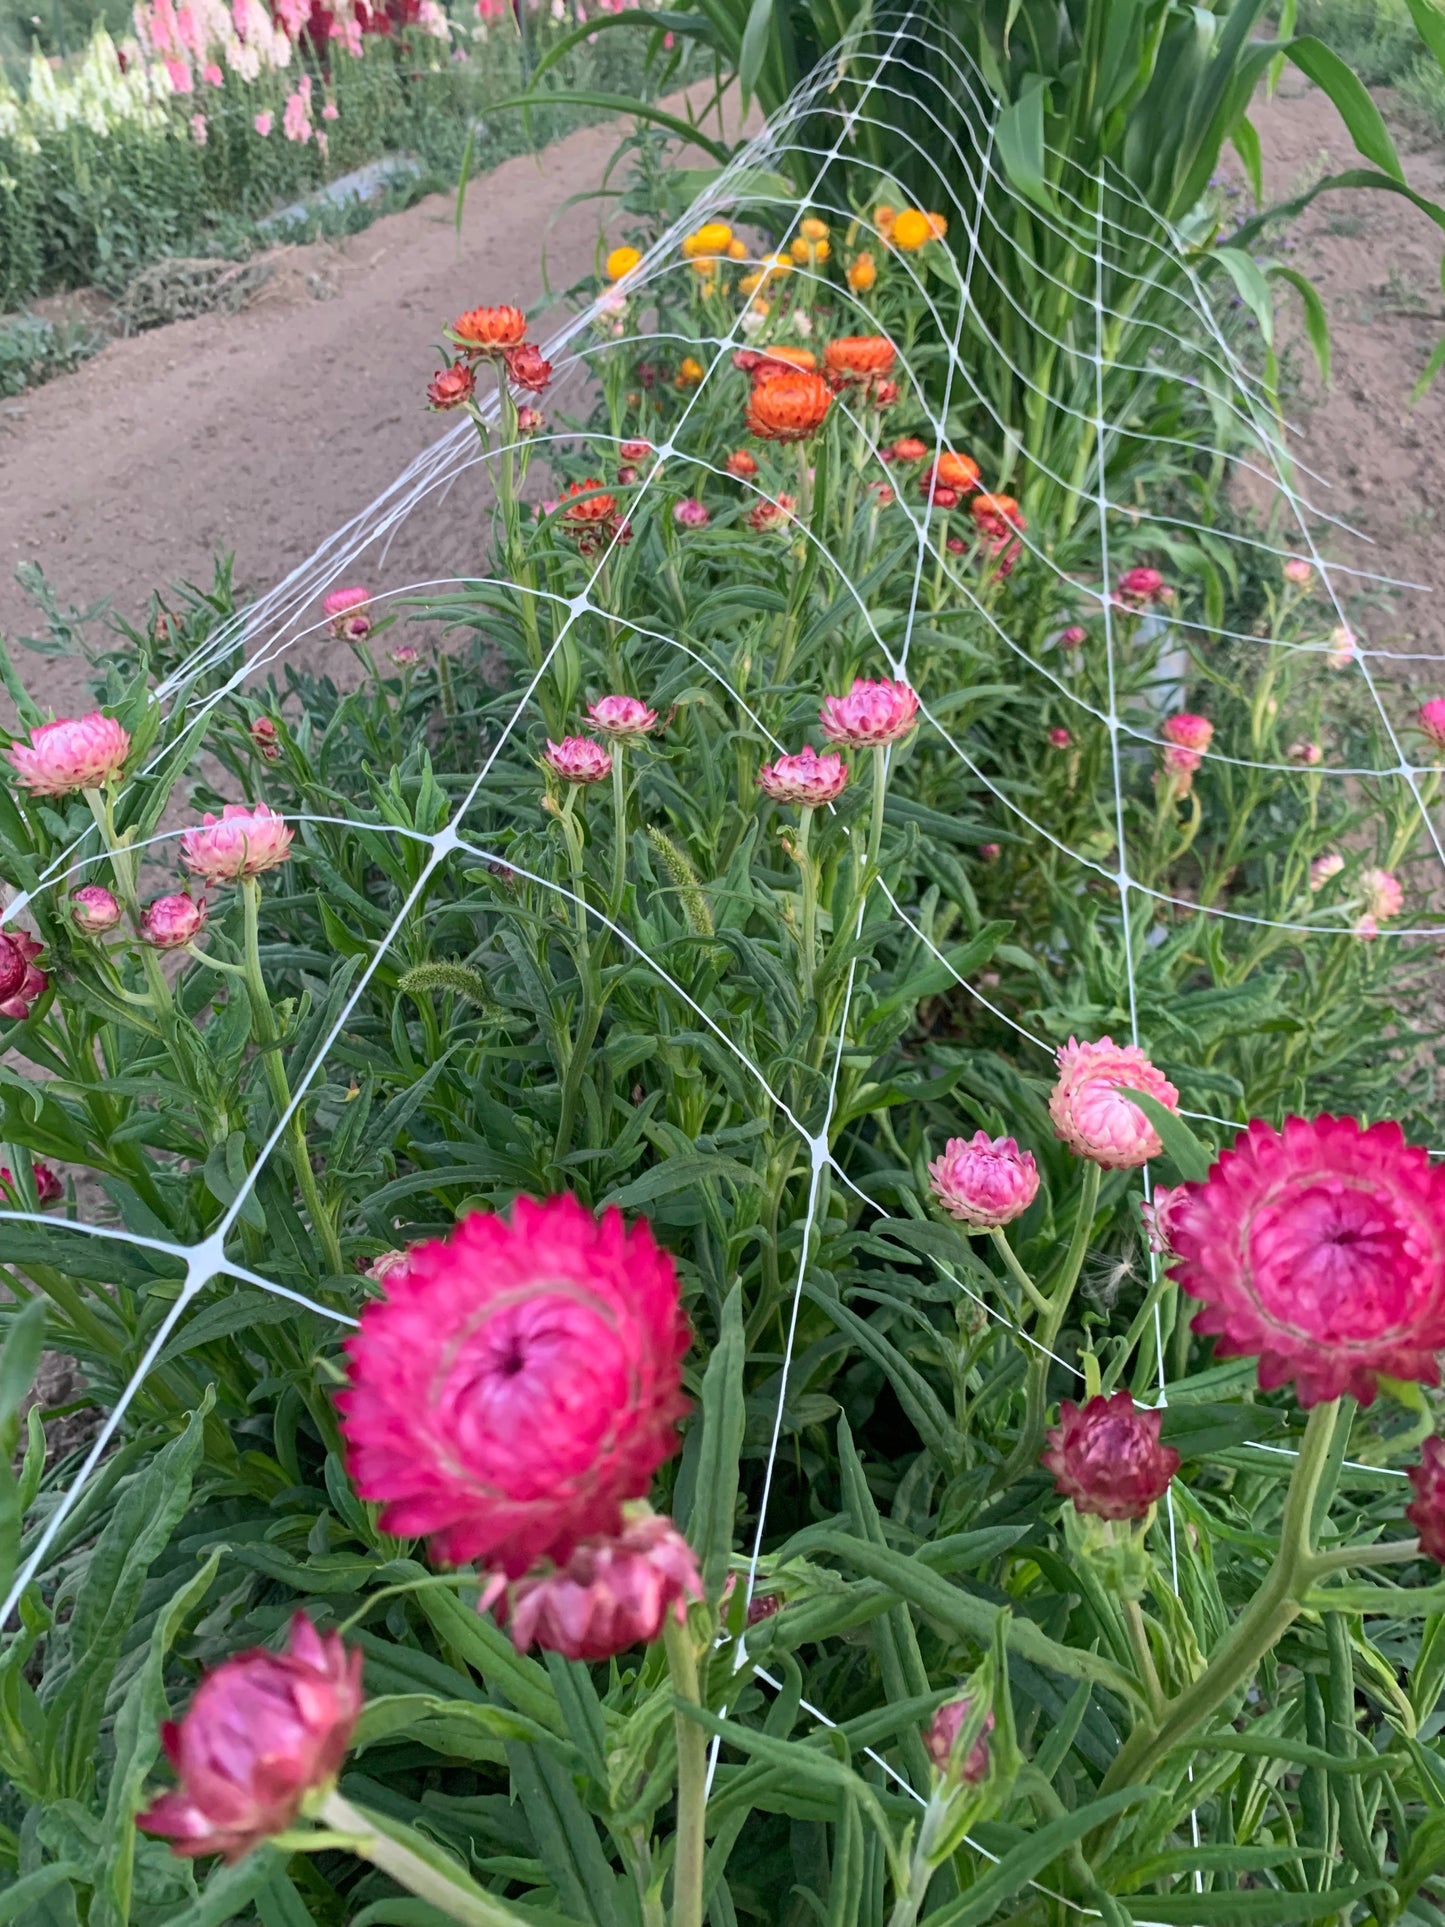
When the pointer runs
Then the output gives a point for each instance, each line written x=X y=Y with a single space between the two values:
x=635 y=451
x=75 y=753
x=1342 y=647
x=263 y=123
x=405 y=656
x=1324 y=868
x=530 y=420
x=941 y=1736
x=990 y=852
x=871 y=713
x=1180 y=766
x=1306 y=752
x=1426 y=1512
x=1298 y=571
x=263 y=1730
x=806 y=778
x=1139 y=587
x=577 y=759
x=1108 y=1459
x=1189 y=732
x=1431 y=718
x=610 y=1594
x=1162 y=1216
x=170 y=923
x=1074 y=637
x=387 y=1267
x=1320 y=1248
x=1092 y=1115
x=1060 y=738
x=983 y=1181
x=243 y=841
x=517 y=1384
x=621 y=716
x=48 y=1188
x=263 y=735
x=21 y=979
x=1383 y=894
x=348 y=614
x=1366 y=928
x=690 y=514
x=93 y=909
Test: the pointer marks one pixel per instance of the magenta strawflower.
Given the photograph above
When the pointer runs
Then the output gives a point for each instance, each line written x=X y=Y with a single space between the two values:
x=93 y=909
x=21 y=979
x=1074 y=637
x=243 y=841
x=577 y=759
x=1426 y=1512
x=691 y=514
x=1060 y=738
x=170 y=923
x=1188 y=731
x=48 y=1188
x=1325 y=868
x=1383 y=895
x=1139 y=587
x=806 y=778
x=517 y=1384
x=1320 y=1249
x=984 y=1181
x=1092 y=1115
x=612 y=1593
x=75 y=753
x=942 y=1735
x=621 y=716
x=1431 y=718
x=348 y=614
x=1162 y=1216
x=1107 y=1457
x=871 y=713
x=263 y=1730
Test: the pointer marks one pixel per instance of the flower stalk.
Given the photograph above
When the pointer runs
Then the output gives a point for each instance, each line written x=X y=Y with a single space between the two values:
x=691 y=1842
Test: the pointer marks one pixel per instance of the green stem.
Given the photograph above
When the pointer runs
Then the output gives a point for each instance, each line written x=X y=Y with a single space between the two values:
x=880 y=796
x=1397 y=1552
x=687 y=1865
x=809 y=875
x=1142 y=1655
x=619 y=828
x=409 y=1870
x=263 y=1029
x=1016 y=1271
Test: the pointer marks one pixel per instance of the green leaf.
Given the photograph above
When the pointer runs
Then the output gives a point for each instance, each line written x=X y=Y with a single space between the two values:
x=33 y=1887
x=624 y=104
x=1260 y=1909
x=1031 y=1857
x=724 y=1414
x=1348 y=92
x=1317 y=325
x=1019 y=137
x=754 y=48
x=1191 y=1159
x=1246 y=145
x=230 y=1890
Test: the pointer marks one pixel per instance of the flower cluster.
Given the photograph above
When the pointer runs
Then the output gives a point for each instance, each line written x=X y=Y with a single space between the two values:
x=498 y=335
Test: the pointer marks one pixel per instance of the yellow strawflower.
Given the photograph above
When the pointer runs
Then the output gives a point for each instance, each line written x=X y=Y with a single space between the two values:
x=621 y=261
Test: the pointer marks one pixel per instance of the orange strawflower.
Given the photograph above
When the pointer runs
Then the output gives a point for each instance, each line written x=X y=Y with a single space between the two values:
x=776 y=361
x=911 y=230
x=490 y=331
x=812 y=229
x=592 y=509
x=908 y=448
x=939 y=224
x=690 y=373
x=996 y=515
x=768 y=515
x=711 y=238
x=859 y=357
x=789 y=406
x=737 y=250
x=741 y=464
x=883 y=219
x=862 y=273
x=805 y=251
x=958 y=471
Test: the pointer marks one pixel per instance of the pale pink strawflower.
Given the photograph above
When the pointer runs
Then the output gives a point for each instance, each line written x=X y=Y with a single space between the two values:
x=1188 y=731
x=1366 y=928
x=1180 y=766
x=691 y=514
x=1138 y=587
x=1074 y=637
x=1320 y=1249
x=621 y=716
x=1107 y=1457
x=517 y=1384
x=1162 y=1214
x=942 y=1735
x=1305 y=752
x=1298 y=571
x=871 y=713
x=1060 y=738
x=75 y=753
x=577 y=759
x=1342 y=647
x=21 y=979
x=93 y=909
x=1426 y=1511
x=243 y=841
x=1325 y=868
x=170 y=923
x=1091 y=1113
x=984 y=1182
x=1431 y=718
x=263 y=123
x=611 y=1594
x=806 y=778
x=348 y=614
x=1383 y=895
x=387 y=1266
x=263 y=1730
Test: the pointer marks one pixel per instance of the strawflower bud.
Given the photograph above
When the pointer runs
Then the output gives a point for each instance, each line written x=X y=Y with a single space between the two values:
x=1298 y=571
x=1426 y=1512
x=1343 y=644
x=610 y=1594
x=1074 y=637
x=75 y=753
x=348 y=614
x=806 y=778
x=872 y=713
x=1305 y=752
x=577 y=759
x=530 y=421
x=263 y=1731
x=1431 y=718
x=93 y=909
x=387 y=1266
x=984 y=1182
x=263 y=735
x=1107 y=1457
x=1139 y=587
x=1059 y=738
x=1162 y=1216
x=1090 y=1112
x=635 y=451
x=690 y=514
x=621 y=716
x=942 y=1735
x=170 y=923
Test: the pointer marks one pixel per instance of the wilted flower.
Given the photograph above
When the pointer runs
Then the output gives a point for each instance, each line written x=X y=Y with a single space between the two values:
x=451 y=387
x=984 y=1182
x=806 y=778
x=1162 y=1214
x=690 y=513
x=1298 y=571
x=1108 y=1458
x=490 y=331
x=170 y=923
x=1324 y=868
x=1137 y=587
x=872 y=713
x=941 y=1736
x=621 y=716
x=1091 y=1113
x=263 y=1730
x=1189 y=732
x=577 y=759
x=1383 y=894
x=610 y=1594
x=528 y=367
x=74 y=753
x=518 y=1384
x=789 y=406
x=1426 y=1512
x=21 y=979
x=348 y=614
x=263 y=735
x=244 y=841
x=93 y=909
x=1305 y=752
x=1320 y=1249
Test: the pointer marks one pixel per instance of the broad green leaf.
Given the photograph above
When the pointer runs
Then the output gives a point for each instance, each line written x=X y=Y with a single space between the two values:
x=1350 y=95
x=1191 y=1159
x=31 y=1888
x=1317 y=325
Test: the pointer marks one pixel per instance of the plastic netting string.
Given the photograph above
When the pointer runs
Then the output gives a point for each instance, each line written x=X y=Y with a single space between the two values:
x=264 y=633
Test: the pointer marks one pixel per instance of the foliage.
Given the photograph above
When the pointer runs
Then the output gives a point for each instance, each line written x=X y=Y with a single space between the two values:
x=33 y=349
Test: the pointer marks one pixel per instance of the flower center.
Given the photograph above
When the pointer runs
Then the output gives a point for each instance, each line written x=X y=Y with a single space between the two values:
x=1337 y=1261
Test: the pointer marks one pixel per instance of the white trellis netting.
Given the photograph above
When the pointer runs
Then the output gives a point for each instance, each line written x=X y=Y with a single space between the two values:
x=878 y=65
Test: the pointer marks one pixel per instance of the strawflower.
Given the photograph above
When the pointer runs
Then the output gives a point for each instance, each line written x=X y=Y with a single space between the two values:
x=996 y=516
x=942 y=1735
x=862 y=273
x=806 y=778
x=690 y=513
x=1384 y=896
x=1298 y=571
x=1138 y=587
x=1426 y=1512
x=621 y=716
x=386 y=1265
x=530 y=421
x=772 y=515
x=22 y=980
x=528 y=367
x=518 y=1384
x=263 y=735
x=608 y=1595
x=908 y=448
x=1325 y=868
x=451 y=387
x=870 y=714
x=93 y=909
x=790 y=406
x=912 y=230
x=490 y=331
x=243 y=841
x=1305 y=752
x=1090 y=1112
x=74 y=753
x=1074 y=637
x=1431 y=718
x=1107 y=1457
x=984 y=1182
x=634 y=451
x=577 y=759
x=263 y=1730
x=170 y=923
x=348 y=614
x=1162 y=1215
x=621 y=262
x=1188 y=731
x=1180 y=766
x=741 y=464
x=859 y=358
x=1059 y=737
